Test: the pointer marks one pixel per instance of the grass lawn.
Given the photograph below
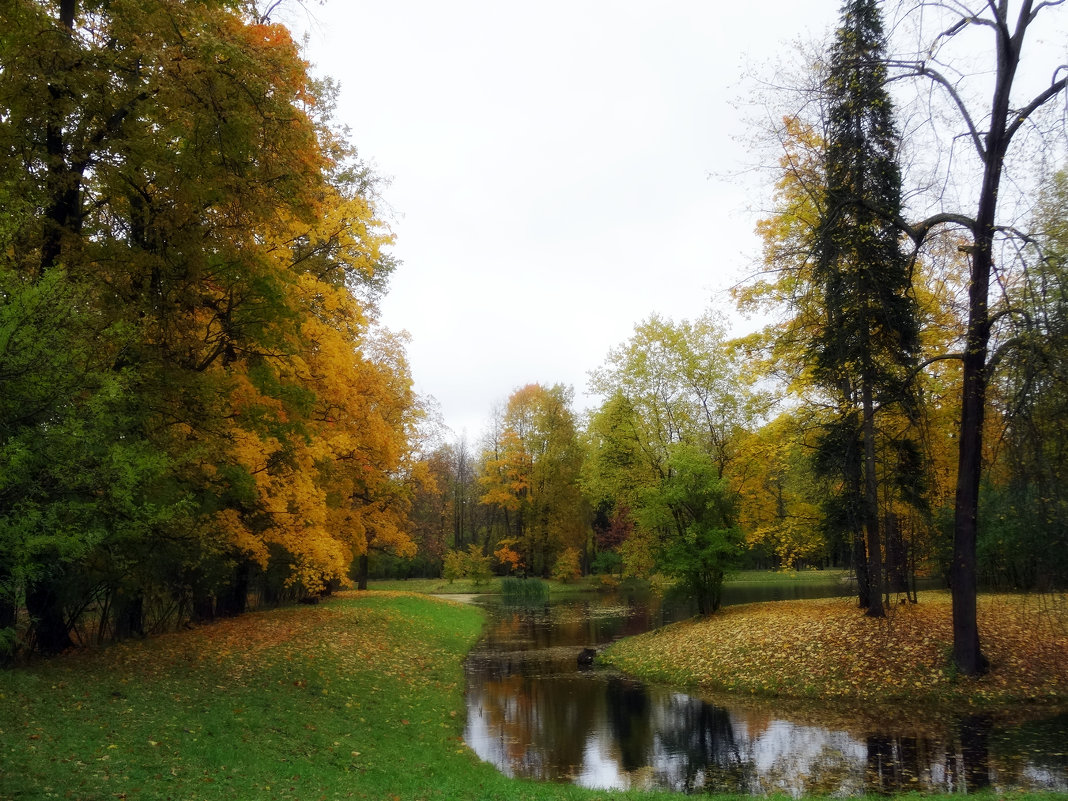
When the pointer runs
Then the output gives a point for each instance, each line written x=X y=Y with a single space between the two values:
x=360 y=697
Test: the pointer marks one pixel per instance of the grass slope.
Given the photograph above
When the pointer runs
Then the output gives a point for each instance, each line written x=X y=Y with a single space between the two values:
x=827 y=649
x=361 y=697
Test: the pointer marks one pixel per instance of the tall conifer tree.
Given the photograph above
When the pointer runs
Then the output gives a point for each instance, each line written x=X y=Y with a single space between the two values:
x=865 y=351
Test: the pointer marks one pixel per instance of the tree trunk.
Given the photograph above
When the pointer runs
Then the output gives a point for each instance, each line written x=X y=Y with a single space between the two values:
x=361 y=572
x=129 y=616
x=897 y=562
x=963 y=583
x=8 y=612
x=64 y=180
x=860 y=567
x=871 y=508
x=203 y=607
x=233 y=600
x=45 y=608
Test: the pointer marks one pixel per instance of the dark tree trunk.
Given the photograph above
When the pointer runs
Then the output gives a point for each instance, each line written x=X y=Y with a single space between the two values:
x=50 y=631
x=897 y=567
x=361 y=572
x=967 y=653
x=129 y=616
x=62 y=214
x=860 y=567
x=8 y=615
x=8 y=612
x=233 y=600
x=203 y=607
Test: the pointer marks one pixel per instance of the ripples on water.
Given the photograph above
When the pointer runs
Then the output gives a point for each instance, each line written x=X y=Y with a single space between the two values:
x=533 y=712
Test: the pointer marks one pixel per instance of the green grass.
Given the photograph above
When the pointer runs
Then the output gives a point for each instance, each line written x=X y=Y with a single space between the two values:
x=786 y=576
x=360 y=697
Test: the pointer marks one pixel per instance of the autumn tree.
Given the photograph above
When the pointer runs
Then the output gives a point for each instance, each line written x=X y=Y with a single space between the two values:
x=778 y=492
x=194 y=247
x=530 y=472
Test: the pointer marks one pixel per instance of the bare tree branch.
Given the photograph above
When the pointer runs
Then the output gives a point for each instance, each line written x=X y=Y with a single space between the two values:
x=918 y=69
x=1040 y=100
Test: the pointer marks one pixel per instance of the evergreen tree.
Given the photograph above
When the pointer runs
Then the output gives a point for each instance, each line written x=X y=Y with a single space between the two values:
x=866 y=348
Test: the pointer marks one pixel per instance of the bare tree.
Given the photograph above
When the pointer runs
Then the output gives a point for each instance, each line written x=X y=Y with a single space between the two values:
x=990 y=128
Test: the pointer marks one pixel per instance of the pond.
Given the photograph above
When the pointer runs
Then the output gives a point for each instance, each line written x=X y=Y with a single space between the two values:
x=535 y=712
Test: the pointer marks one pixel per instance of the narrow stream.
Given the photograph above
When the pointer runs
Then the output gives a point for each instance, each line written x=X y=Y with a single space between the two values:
x=534 y=712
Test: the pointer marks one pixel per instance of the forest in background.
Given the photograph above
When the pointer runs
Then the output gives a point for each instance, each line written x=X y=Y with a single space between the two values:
x=198 y=410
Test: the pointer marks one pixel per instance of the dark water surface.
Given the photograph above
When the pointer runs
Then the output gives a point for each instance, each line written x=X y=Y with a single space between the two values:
x=534 y=712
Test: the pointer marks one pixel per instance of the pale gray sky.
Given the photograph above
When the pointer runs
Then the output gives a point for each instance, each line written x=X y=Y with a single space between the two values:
x=560 y=171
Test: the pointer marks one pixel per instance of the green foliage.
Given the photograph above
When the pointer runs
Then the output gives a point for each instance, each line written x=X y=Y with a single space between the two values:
x=1023 y=526
x=529 y=477
x=607 y=563
x=637 y=556
x=693 y=510
x=664 y=444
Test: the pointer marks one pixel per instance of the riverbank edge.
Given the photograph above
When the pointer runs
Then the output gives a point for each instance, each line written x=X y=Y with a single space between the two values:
x=828 y=651
x=360 y=696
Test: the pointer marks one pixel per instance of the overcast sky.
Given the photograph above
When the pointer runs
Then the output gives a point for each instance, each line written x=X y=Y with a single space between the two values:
x=559 y=171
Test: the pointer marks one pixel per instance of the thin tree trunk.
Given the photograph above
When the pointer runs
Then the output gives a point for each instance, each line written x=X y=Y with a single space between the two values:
x=871 y=507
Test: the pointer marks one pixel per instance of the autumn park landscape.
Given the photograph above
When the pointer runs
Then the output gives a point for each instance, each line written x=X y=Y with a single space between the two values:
x=242 y=558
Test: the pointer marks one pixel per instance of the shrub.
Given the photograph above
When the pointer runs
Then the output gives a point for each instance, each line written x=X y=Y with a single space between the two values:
x=454 y=567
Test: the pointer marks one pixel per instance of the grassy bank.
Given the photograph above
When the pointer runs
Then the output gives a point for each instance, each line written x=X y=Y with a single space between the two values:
x=826 y=649
x=361 y=697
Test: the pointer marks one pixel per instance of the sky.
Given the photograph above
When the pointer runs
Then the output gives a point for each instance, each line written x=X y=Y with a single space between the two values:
x=558 y=171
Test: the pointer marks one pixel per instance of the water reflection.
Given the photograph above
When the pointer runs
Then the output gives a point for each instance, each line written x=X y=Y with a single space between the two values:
x=534 y=713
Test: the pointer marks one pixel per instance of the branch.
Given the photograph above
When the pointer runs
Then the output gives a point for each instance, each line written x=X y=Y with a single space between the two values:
x=921 y=69
x=918 y=232
x=1051 y=91
x=919 y=368
x=1043 y=5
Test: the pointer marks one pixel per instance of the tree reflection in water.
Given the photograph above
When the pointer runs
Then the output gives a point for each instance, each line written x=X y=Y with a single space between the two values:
x=532 y=713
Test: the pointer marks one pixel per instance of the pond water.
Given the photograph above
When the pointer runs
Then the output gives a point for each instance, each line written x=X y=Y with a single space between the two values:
x=534 y=712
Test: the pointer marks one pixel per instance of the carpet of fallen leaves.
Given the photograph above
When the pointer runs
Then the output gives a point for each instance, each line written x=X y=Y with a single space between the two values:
x=827 y=649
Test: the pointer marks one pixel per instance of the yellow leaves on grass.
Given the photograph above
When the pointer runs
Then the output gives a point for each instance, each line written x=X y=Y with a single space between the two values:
x=829 y=649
